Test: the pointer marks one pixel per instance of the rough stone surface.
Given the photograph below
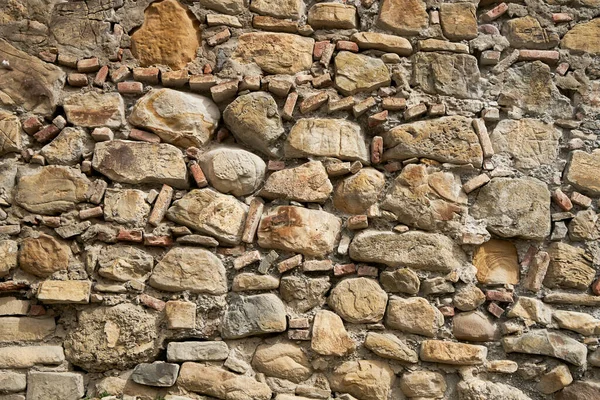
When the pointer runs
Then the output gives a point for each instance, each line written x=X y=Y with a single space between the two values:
x=547 y=343
x=94 y=109
x=282 y=360
x=403 y=17
x=580 y=169
x=253 y=315
x=329 y=336
x=414 y=315
x=302 y=293
x=359 y=300
x=305 y=183
x=8 y=256
x=357 y=73
x=355 y=194
x=578 y=38
x=55 y=385
x=447 y=74
x=43 y=256
x=234 y=171
x=389 y=346
x=365 y=379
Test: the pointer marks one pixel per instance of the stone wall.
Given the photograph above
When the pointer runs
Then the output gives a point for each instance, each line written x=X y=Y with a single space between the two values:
x=278 y=199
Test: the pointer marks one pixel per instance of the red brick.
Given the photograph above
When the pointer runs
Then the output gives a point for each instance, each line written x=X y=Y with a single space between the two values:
x=36 y=310
x=377 y=119
x=151 y=302
x=219 y=37
x=275 y=165
x=495 y=12
x=289 y=264
x=101 y=76
x=596 y=287
x=358 y=222
x=143 y=136
x=31 y=125
x=288 y=107
x=299 y=323
x=367 y=270
x=130 y=235
x=224 y=91
x=447 y=311
x=393 y=103
x=150 y=75
x=495 y=310
x=313 y=102
x=562 y=200
x=77 y=80
x=500 y=296
x=88 y=65
x=207 y=69
x=160 y=205
x=12 y=286
x=175 y=79
x=581 y=200
x=415 y=111
x=47 y=134
x=344 y=269
x=130 y=87
x=561 y=17
x=547 y=56
x=120 y=74
x=562 y=68
x=158 y=240
x=48 y=56
x=347 y=46
x=252 y=219
x=327 y=54
x=198 y=175
x=94 y=212
x=319 y=48
x=322 y=81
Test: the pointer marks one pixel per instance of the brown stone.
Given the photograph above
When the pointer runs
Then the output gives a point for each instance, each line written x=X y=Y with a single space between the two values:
x=497 y=263
x=526 y=32
x=581 y=171
x=414 y=315
x=569 y=268
x=459 y=20
x=404 y=17
x=329 y=336
x=332 y=16
x=363 y=379
x=43 y=256
x=583 y=37
x=94 y=109
x=443 y=352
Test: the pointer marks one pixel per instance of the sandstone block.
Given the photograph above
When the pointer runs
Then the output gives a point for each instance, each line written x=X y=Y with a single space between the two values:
x=65 y=292
x=14 y=329
x=389 y=346
x=453 y=353
x=414 y=315
x=43 y=256
x=578 y=38
x=355 y=194
x=332 y=16
x=197 y=351
x=329 y=336
x=55 y=385
x=308 y=182
x=28 y=356
x=404 y=17
x=282 y=360
x=358 y=300
x=234 y=171
x=364 y=379
x=580 y=171
x=95 y=110
x=543 y=342
x=357 y=73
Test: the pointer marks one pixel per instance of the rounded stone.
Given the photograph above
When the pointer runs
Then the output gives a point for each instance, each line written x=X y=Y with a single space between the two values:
x=282 y=360
x=43 y=256
x=359 y=300
x=234 y=171
x=355 y=194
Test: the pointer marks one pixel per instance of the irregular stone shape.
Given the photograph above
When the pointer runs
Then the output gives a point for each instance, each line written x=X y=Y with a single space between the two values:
x=126 y=206
x=182 y=119
x=302 y=293
x=210 y=212
x=358 y=300
x=439 y=351
x=531 y=310
x=478 y=389
x=547 y=343
x=253 y=315
x=355 y=73
x=329 y=336
x=474 y=326
x=197 y=351
x=364 y=379
x=468 y=298
x=249 y=281
x=403 y=280
x=234 y=171
x=8 y=174
x=389 y=346
x=254 y=119
x=13 y=329
x=414 y=315
x=29 y=83
x=581 y=171
x=297 y=229
x=517 y=207
x=427 y=200
x=51 y=190
x=190 y=268
x=459 y=20
x=404 y=17
x=220 y=383
x=275 y=53
x=529 y=142
x=324 y=137
x=447 y=74
x=497 y=263
x=69 y=147
x=527 y=33
x=580 y=390
x=10 y=133
x=582 y=38
x=282 y=360
x=446 y=139
x=577 y=322
x=569 y=268
x=358 y=192
x=118 y=337
x=8 y=256
x=332 y=16
x=55 y=385
x=94 y=109
x=12 y=382
x=233 y=7
x=43 y=256
x=413 y=249
x=124 y=263
x=64 y=292
x=308 y=183
x=383 y=42
x=158 y=373
x=423 y=384
x=28 y=356
x=278 y=8
x=585 y=226
x=169 y=36
x=140 y=162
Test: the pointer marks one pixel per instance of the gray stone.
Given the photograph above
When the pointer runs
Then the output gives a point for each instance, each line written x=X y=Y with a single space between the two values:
x=69 y=147
x=253 y=315
x=423 y=384
x=8 y=256
x=543 y=342
x=197 y=351
x=158 y=373
x=302 y=293
x=447 y=74
x=234 y=171
x=55 y=385
x=12 y=382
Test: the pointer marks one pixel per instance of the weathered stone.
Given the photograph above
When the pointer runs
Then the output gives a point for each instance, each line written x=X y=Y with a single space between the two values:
x=94 y=109
x=253 y=315
x=126 y=206
x=13 y=329
x=404 y=17
x=413 y=315
x=582 y=37
x=13 y=306
x=569 y=268
x=515 y=207
x=547 y=343
x=468 y=298
x=248 y=281
x=478 y=389
x=12 y=382
x=389 y=346
x=140 y=162
x=383 y=42
x=497 y=263
x=302 y=293
x=69 y=147
x=531 y=311
x=28 y=356
x=459 y=20
x=55 y=385
x=64 y=292
x=402 y=280
x=197 y=351
x=233 y=7
x=447 y=74
x=8 y=256
x=297 y=229
x=439 y=351
x=158 y=373
x=124 y=263
x=357 y=73
x=581 y=173
x=10 y=134
x=527 y=33
x=580 y=390
x=43 y=256
x=8 y=174
x=585 y=226
x=278 y=8
x=329 y=336
x=577 y=322
x=423 y=384
x=308 y=182
x=210 y=212
x=555 y=379
x=182 y=119
x=234 y=171
x=282 y=360
x=332 y=16
x=358 y=300
x=474 y=326
x=364 y=379
x=180 y=314
x=355 y=194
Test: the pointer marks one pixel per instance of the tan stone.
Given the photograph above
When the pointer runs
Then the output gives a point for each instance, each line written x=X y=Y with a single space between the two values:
x=583 y=37
x=581 y=171
x=423 y=384
x=363 y=379
x=232 y=170
x=28 y=356
x=383 y=42
x=278 y=8
x=569 y=268
x=332 y=16
x=580 y=390
x=308 y=182
x=180 y=314
x=18 y=329
x=69 y=147
x=355 y=194
x=531 y=311
x=234 y=7
x=468 y=298
x=526 y=32
x=389 y=346
x=10 y=133
x=555 y=380
x=404 y=17
x=126 y=206
x=169 y=36
x=43 y=256
x=358 y=300
x=401 y=280
x=8 y=256
x=577 y=322
x=414 y=315
x=13 y=306
x=439 y=351
x=94 y=109
x=474 y=326
x=446 y=74
x=355 y=73
x=302 y=293
x=543 y=342
x=249 y=281
x=329 y=336
x=497 y=263
x=282 y=360
x=459 y=20
x=65 y=292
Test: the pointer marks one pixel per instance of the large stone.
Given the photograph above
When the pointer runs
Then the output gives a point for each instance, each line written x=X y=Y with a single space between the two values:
x=95 y=109
x=517 y=207
x=158 y=373
x=401 y=280
x=583 y=37
x=51 y=190
x=28 y=356
x=11 y=382
x=383 y=42
x=459 y=20
x=193 y=269
x=363 y=379
x=332 y=16
x=69 y=147
x=210 y=212
x=8 y=256
x=124 y=263
x=423 y=384
x=468 y=298
x=577 y=322
x=414 y=315
x=443 y=352
x=543 y=342
x=531 y=310
x=420 y=250
x=43 y=256
x=8 y=174
x=234 y=171
x=569 y=268
x=278 y=8
x=329 y=336
x=355 y=73
x=386 y=345
x=140 y=162
x=527 y=33
x=478 y=389
x=301 y=230
x=497 y=263
x=358 y=192
x=446 y=139
x=581 y=172
x=358 y=300
x=25 y=329
x=404 y=17
x=126 y=206
x=64 y=292
x=254 y=119
x=474 y=326
x=323 y=137
x=253 y=315
x=275 y=53
x=169 y=36
x=447 y=74
x=55 y=385
x=282 y=360
x=10 y=134
x=197 y=351
x=308 y=182
x=580 y=390
x=585 y=226
x=29 y=83
x=182 y=119
x=302 y=293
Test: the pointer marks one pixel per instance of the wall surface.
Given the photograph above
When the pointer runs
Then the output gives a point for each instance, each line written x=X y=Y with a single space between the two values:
x=278 y=199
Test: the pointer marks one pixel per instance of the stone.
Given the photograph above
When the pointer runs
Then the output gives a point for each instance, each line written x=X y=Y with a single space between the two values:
x=300 y=230
x=95 y=110
x=363 y=379
x=8 y=173
x=413 y=315
x=458 y=20
x=233 y=7
x=180 y=314
x=253 y=315
x=529 y=142
x=439 y=351
x=403 y=17
x=555 y=380
x=332 y=16
x=10 y=134
x=42 y=81
x=126 y=206
x=356 y=73
x=355 y=194
x=445 y=139
x=254 y=119
x=234 y=171
x=386 y=345
x=8 y=256
x=468 y=298
x=324 y=137
x=13 y=329
x=413 y=249
x=302 y=293
x=577 y=322
x=474 y=326
x=64 y=292
x=282 y=360
x=55 y=385
x=12 y=382
x=478 y=389
x=531 y=311
x=69 y=147
x=580 y=390
x=43 y=256
x=161 y=41
x=526 y=32
x=212 y=213
x=275 y=53
x=28 y=356
x=197 y=351
x=140 y=162
x=158 y=373
x=248 y=281
x=182 y=119
x=497 y=263
x=358 y=300
x=13 y=306
x=329 y=336
x=569 y=268
x=51 y=190
x=383 y=42
x=581 y=38
x=580 y=171
x=401 y=280
x=124 y=263
x=447 y=74
x=517 y=207
x=585 y=226
x=194 y=269
x=278 y=8
x=423 y=384
x=307 y=182
x=547 y=343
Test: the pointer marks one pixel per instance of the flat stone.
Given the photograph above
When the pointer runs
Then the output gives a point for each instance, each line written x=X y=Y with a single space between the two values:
x=383 y=42
x=253 y=315
x=282 y=360
x=386 y=345
x=43 y=256
x=497 y=263
x=458 y=20
x=547 y=343
x=423 y=384
x=64 y=292
x=585 y=226
x=401 y=280
x=278 y=8
x=358 y=192
x=447 y=74
x=12 y=382
x=158 y=373
x=439 y=351
x=477 y=389
x=69 y=147
x=28 y=356
x=569 y=268
x=308 y=183
x=182 y=119
x=25 y=329
x=10 y=133
x=13 y=306
x=55 y=385
x=358 y=300
x=302 y=293
x=332 y=16
x=197 y=351
x=363 y=379
x=124 y=263
x=234 y=171
x=580 y=172
x=404 y=17
x=527 y=33
x=531 y=311
x=140 y=162
x=329 y=336
x=577 y=322
x=95 y=110
x=580 y=390
x=8 y=256
x=248 y=281
x=474 y=326
x=581 y=38
x=413 y=315
x=355 y=73
x=233 y=7
x=180 y=314
x=126 y=206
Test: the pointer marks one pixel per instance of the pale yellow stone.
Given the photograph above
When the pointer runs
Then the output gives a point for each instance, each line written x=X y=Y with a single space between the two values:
x=65 y=292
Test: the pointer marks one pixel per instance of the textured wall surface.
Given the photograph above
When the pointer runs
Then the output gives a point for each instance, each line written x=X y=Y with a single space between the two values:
x=293 y=200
